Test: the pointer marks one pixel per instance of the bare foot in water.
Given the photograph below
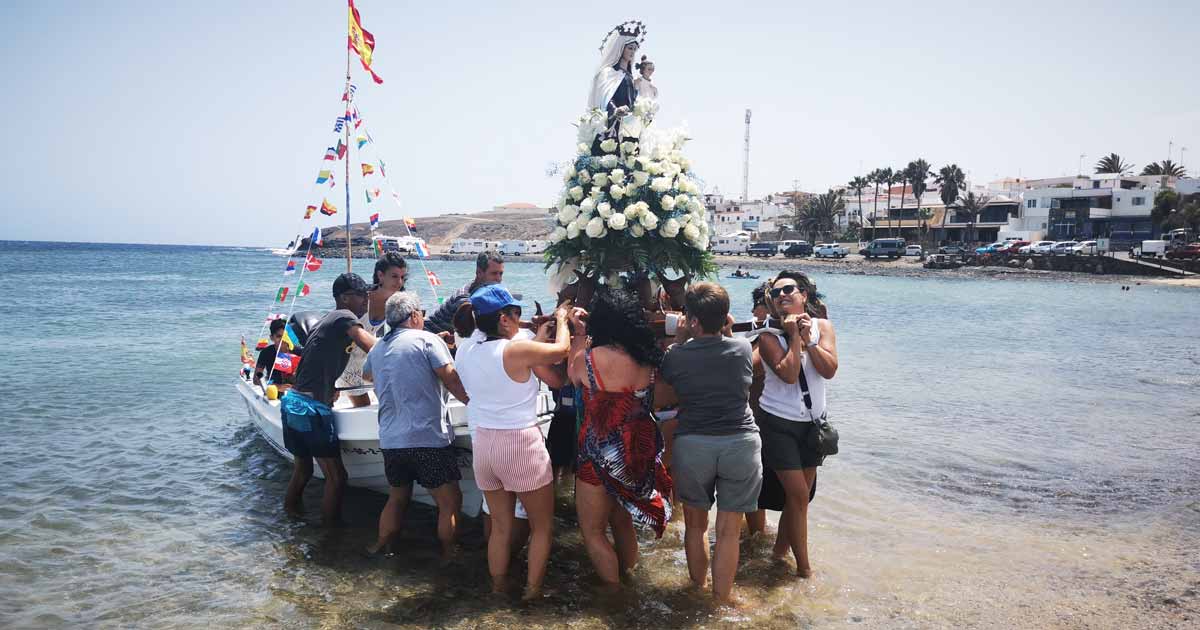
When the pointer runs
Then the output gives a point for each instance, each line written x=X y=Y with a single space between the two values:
x=531 y=594
x=804 y=573
x=732 y=601
x=499 y=584
x=294 y=511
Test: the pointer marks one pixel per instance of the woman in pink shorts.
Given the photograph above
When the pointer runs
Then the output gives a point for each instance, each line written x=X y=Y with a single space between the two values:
x=510 y=456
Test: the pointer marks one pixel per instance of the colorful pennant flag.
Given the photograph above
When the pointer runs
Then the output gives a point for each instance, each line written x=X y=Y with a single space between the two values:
x=357 y=120
x=372 y=194
x=286 y=363
x=433 y=279
x=308 y=211
x=341 y=149
x=374 y=217
x=362 y=42
x=361 y=141
x=316 y=239
x=291 y=268
x=367 y=169
x=327 y=208
x=262 y=344
x=337 y=124
x=410 y=224
x=331 y=154
x=324 y=176
x=282 y=295
x=274 y=316
x=347 y=96
x=377 y=246
x=312 y=263
x=303 y=289
x=290 y=338
x=421 y=253
x=381 y=171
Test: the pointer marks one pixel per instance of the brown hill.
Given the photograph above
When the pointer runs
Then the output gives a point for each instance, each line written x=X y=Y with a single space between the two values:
x=496 y=225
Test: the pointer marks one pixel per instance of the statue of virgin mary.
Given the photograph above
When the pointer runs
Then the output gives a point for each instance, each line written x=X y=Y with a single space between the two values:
x=613 y=90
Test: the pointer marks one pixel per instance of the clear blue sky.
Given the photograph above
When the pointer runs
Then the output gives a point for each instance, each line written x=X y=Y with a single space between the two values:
x=204 y=122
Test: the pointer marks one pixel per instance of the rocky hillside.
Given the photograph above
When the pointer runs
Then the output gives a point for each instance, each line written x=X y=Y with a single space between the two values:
x=439 y=231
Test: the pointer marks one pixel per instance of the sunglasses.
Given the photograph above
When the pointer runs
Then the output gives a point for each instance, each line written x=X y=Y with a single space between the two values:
x=786 y=289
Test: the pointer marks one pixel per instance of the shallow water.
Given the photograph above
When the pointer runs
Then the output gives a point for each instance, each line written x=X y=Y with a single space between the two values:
x=1014 y=453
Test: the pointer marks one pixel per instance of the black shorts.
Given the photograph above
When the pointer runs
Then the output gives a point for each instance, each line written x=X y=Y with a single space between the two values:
x=785 y=443
x=772 y=495
x=310 y=435
x=560 y=440
x=430 y=467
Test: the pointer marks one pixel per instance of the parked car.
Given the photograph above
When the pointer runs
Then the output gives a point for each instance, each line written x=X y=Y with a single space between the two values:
x=914 y=250
x=889 y=247
x=830 y=250
x=1038 y=248
x=1086 y=248
x=1151 y=249
x=954 y=249
x=798 y=249
x=763 y=249
x=1062 y=248
x=989 y=249
x=1012 y=247
x=1190 y=251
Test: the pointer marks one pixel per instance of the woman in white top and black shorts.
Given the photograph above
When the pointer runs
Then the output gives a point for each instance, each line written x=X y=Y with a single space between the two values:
x=809 y=347
x=509 y=455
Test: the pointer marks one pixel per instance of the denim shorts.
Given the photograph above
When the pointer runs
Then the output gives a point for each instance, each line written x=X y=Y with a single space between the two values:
x=724 y=468
x=312 y=434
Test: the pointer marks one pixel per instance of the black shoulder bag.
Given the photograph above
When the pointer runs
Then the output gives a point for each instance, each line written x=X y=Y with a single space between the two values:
x=823 y=438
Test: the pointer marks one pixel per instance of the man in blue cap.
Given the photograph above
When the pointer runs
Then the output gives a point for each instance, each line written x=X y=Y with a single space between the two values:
x=309 y=431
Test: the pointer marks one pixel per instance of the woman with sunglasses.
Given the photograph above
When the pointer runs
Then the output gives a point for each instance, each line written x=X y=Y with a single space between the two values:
x=805 y=354
x=510 y=460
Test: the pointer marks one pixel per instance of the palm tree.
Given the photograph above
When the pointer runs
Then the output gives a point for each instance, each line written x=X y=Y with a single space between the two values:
x=973 y=206
x=858 y=184
x=876 y=176
x=819 y=214
x=917 y=172
x=925 y=214
x=886 y=177
x=898 y=177
x=1166 y=168
x=1112 y=163
x=951 y=179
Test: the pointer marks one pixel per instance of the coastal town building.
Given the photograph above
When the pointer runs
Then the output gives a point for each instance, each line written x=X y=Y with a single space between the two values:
x=726 y=216
x=1106 y=205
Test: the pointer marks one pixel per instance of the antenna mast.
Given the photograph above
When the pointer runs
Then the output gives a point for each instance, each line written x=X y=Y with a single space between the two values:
x=746 y=162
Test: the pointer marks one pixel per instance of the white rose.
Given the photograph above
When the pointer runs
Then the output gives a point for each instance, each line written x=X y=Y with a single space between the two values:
x=587 y=205
x=595 y=227
x=668 y=203
x=608 y=146
x=637 y=230
x=558 y=234
x=640 y=178
x=617 y=191
x=695 y=207
x=585 y=176
x=632 y=211
x=583 y=149
x=684 y=219
x=630 y=163
x=601 y=179
x=675 y=156
x=617 y=221
x=649 y=220
x=605 y=209
x=567 y=214
x=660 y=184
x=572 y=231
x=581 y=222
x=617 y=176
x=691 y=233
x=576 y=192
x=569 y=173
x=659 y=153
x=653 y=168
x=685 y=164
x=670 y=229
x=609 y=161
x=628 y=147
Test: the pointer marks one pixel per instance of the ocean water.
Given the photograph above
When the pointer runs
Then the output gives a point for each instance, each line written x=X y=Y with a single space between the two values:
x=1015 y=453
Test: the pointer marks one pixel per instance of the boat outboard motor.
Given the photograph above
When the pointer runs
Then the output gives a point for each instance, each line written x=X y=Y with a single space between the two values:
x=303 y=323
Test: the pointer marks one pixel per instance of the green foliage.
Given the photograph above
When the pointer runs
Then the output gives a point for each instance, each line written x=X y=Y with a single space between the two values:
x=819 y=215
x=1112 y=163
x=1166 y=167
x=951 y=179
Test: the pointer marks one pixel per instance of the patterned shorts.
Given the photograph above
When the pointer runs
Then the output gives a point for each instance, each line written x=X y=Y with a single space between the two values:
x=430 y=467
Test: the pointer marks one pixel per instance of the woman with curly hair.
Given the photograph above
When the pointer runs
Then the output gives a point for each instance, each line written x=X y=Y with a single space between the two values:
x=620 y=478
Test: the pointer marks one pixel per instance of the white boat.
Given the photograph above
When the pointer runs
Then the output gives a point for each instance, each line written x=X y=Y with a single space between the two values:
x=358 y=432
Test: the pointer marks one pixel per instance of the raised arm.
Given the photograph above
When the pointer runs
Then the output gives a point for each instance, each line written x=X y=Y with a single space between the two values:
x=361 y=337
x=524 y=355
x=824 y=355
x=784 y=363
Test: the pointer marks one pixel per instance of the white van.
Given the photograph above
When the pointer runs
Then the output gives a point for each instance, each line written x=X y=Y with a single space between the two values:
x=731 y=245
x=514 y=247
x=468 y=246
x=536 y=246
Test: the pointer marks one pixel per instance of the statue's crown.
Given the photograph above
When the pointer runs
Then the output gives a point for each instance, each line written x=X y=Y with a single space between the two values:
x=630 y=28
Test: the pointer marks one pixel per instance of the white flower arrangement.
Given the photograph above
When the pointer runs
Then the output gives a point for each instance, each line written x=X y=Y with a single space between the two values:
x=670 y=229
x=660 y=184
x=576 y=192
x=604 y=209
x=600 y=180
x=617 y=191
x=609 y=146
x=595 y=227
x=667 y=202
x=617 y=221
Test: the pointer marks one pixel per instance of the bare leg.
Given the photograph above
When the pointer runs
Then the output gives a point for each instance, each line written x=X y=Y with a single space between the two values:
x=594 y=507
x=539 y=504
x=725 y=555
x=796 y=485
x=625 y=538
x=782 y=545
x=756 y=522
x=695 y=543
x=335 y=485
x=392 y=516
x=501 y=504
x=293 y=501
x=448 y=497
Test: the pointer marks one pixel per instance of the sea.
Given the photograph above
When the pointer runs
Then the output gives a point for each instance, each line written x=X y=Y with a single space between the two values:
x=1014 y=453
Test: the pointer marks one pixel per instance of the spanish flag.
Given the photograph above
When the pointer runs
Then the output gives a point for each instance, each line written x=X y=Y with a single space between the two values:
x=367 y=169
x=308 y=211
x=327 y=208
x=362 y=42
x=410 y=224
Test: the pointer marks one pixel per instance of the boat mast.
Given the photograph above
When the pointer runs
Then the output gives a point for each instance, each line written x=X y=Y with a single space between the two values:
x=347 y=180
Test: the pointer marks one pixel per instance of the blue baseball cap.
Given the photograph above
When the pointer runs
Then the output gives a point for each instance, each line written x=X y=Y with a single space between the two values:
x=491 y=298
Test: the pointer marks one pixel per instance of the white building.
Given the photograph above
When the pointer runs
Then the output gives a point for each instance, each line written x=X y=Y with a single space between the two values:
x=1085 y=207
x=726 y=216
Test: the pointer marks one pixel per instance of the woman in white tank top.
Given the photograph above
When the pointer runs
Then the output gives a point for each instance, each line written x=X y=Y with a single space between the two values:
x=509 y=456
x=805 y=353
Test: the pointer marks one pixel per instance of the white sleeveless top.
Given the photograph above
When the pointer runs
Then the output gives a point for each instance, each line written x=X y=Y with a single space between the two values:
x=787 y=401
x=497 y=401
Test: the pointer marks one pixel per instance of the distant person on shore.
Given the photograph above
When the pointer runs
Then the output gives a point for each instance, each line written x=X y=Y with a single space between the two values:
x=804 y=357
x=716 y=451
x=391 y=272
x=309 y=431
x=621 y=478
x=489 y=269
x=265 y=363
x=410 y=366
x=510 y=457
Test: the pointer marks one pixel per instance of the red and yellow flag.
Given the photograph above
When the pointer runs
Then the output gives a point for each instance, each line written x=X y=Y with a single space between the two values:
x=362 y=42
x=368 y=169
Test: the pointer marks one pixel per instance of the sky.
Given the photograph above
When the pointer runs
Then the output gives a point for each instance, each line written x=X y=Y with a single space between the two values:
x=205 y=122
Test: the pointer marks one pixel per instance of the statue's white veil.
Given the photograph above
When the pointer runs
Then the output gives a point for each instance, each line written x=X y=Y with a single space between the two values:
x=607 y=80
